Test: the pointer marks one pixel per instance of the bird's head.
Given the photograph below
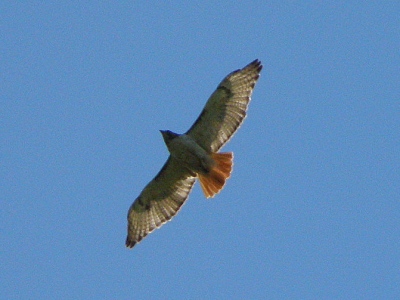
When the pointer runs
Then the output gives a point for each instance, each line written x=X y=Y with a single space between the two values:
x=168 y=135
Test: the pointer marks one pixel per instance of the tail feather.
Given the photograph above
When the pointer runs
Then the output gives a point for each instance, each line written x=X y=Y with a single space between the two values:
x=213 y=182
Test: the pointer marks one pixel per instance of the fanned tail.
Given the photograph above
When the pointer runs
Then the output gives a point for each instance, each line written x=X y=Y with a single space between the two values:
x=213 y=182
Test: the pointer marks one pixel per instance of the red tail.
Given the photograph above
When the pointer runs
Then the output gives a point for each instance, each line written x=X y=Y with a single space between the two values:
x=213 y=182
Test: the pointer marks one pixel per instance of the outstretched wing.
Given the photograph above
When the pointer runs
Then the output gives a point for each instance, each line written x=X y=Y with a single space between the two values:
x=159 y=201
x=226 y=109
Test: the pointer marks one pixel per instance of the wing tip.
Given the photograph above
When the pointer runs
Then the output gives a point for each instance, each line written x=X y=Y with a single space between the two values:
x=130 y=243
x=255 y=64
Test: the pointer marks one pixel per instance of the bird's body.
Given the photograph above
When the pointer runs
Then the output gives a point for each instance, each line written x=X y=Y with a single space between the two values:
x=194 y=154
x=213 y=169
x=185 y=150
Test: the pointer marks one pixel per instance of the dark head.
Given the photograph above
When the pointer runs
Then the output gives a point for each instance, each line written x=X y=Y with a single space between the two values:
x=168 y=135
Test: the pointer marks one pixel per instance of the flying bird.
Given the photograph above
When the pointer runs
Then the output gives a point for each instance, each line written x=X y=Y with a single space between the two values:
x=194 y=154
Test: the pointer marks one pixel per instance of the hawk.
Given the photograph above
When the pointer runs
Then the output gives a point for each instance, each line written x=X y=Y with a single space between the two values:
x=194 y=154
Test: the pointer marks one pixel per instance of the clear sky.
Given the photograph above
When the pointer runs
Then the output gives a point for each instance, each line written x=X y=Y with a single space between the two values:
x=312 y=210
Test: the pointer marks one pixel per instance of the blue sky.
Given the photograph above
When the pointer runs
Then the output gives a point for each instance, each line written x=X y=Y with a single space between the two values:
x=312 y=209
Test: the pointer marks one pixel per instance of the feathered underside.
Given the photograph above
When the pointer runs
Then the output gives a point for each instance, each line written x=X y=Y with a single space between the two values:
x=222 y=115
x=226 y=109
x=159 y=201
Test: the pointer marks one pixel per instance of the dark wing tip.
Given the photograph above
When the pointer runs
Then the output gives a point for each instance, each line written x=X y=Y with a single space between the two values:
x=129 y=243
x=255 y=64
x=253 y=68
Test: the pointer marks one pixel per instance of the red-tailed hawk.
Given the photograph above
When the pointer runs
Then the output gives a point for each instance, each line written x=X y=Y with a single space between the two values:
x=194 y=154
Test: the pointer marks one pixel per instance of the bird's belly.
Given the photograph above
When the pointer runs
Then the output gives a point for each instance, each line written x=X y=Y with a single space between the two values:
x=191 y=155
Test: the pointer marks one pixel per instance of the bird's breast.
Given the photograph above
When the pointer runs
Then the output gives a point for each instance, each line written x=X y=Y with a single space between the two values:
x=190 y=154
